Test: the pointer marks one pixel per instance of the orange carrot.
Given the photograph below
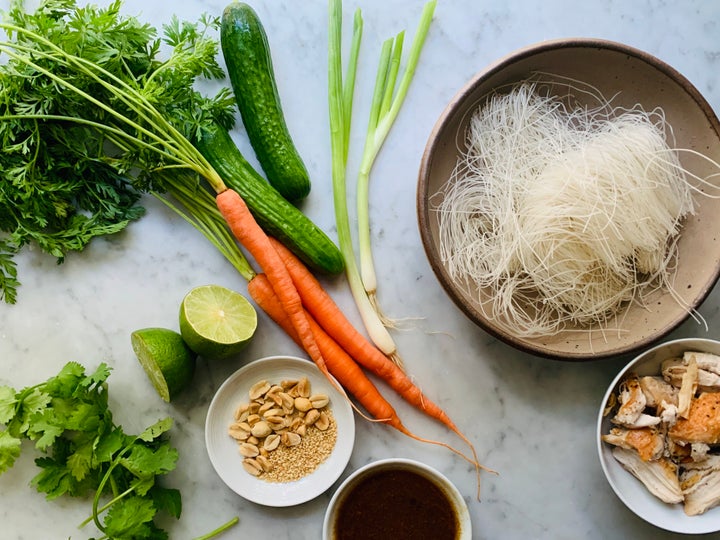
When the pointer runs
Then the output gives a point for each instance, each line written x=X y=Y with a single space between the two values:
x=339 y=363
x=326 y=312
x=252 y=237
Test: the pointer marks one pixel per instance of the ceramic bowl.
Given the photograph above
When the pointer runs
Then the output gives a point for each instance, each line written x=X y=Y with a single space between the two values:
x=630 y=77
x=630 y=490
x=394 y=464
x=223 y=449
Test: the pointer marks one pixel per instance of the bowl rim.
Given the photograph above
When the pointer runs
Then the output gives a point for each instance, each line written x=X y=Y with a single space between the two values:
x=457 y=500
x=422 y=194
x=686 y=343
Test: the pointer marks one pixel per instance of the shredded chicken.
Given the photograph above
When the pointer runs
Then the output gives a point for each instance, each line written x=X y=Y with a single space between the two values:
x=700 y=482
x=708 y=375
x=632 y=405
x=660 y=476
x=657 y=390
x=667 y=430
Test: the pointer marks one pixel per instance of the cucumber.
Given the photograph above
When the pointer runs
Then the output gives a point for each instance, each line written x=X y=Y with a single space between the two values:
x=275 y=214
x=249 y=65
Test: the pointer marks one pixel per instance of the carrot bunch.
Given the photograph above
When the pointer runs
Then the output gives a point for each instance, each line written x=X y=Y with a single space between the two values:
x=291 y=295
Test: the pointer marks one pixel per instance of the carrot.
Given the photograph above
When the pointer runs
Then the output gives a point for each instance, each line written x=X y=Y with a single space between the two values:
x=252 y=237
x=327 y=313
x=341 y=365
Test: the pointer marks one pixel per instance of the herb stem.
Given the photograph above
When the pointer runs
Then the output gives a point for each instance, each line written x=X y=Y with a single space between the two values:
x=164 y=133
x=203 y=215
x=219 y=530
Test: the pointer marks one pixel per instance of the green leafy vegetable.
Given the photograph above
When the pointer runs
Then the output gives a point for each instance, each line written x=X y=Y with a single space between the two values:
x=85 y=454
x=68 y=419
x=89 y=116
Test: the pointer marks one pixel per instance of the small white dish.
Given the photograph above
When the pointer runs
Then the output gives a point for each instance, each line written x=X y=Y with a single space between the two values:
x=435 y=476
x=223 y=449
x=631 y=491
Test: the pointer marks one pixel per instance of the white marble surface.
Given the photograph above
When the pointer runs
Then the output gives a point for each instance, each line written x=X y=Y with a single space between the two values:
x=531 y=419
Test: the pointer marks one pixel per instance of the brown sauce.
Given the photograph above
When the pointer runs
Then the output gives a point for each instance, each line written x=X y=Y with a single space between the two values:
x=398 y=505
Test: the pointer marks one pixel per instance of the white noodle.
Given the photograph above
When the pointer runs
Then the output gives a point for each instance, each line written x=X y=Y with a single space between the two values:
x=565 y=214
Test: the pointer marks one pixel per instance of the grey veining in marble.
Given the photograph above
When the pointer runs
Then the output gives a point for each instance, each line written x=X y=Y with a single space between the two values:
x=531 y=419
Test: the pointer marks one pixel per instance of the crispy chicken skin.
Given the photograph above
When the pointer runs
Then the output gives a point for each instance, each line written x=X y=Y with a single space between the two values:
x=703 y=422
x=648 y=442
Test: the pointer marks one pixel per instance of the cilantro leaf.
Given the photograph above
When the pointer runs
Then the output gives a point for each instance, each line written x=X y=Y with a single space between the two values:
x=98 y=377
x=167 y=500
x=143 y=461
x=109 y=445
x=9 y=450
x=157 y=429
x=79 y=463
x=8 y=401
x=63 y=384
x=30 y=401
x=84 y=417
x=129 y=518
x=44 y=429
x=85 y=452
x=54 y=479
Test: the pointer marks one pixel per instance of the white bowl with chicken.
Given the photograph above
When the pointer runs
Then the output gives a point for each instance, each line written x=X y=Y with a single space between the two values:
x=658 y=435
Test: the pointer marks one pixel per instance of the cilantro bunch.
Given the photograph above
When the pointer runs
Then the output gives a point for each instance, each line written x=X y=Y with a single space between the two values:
x=91 y=117
x=86 y=454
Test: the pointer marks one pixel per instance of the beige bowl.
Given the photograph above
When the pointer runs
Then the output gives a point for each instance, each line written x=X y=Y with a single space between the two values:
x=632 y=76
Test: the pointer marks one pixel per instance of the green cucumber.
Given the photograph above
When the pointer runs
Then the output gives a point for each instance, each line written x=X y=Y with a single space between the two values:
x=249 y=65
x=275 y=214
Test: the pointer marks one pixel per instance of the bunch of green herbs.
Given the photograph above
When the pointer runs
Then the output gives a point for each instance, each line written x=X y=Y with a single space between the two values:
x=91 y=118
x=87 y=454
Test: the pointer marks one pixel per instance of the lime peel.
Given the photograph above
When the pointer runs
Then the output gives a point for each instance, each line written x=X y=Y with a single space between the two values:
x=167 y=360
x=216 y=322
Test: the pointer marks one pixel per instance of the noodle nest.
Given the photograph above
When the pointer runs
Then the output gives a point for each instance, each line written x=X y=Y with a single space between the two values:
x=563 y=213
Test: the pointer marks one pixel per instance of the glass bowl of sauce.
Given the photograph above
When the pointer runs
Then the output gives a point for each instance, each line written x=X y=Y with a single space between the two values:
x=400 y=499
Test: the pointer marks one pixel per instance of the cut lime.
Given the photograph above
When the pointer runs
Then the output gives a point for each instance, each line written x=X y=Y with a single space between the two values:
x=216 y=322
x=167 y=360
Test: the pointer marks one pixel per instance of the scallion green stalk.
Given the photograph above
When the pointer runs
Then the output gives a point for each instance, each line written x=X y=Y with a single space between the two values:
x=384 y=110
x=340 y=98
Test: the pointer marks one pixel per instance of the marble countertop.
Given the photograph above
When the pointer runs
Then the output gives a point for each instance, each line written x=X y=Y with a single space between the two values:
x=531 y=419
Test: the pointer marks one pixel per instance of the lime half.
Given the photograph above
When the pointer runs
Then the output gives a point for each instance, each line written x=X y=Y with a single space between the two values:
x=167 y=360
x=216 y=322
